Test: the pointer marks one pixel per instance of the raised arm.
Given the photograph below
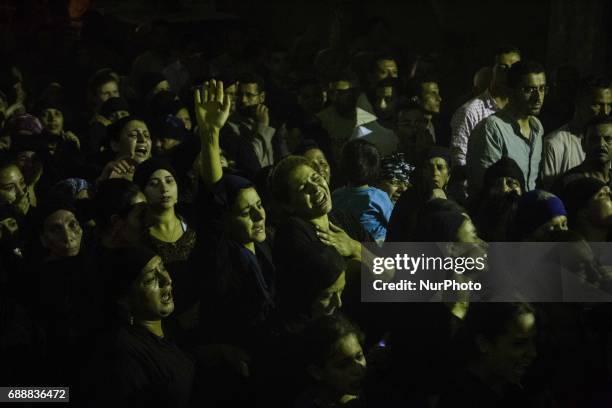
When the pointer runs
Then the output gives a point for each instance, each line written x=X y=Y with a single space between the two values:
x=212 y=108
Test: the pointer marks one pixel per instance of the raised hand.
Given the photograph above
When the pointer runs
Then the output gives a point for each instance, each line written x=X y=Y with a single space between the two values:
x=211 y=105
x=262 y=115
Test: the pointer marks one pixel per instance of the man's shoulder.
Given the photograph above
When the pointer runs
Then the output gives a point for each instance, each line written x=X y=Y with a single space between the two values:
x=560 y=135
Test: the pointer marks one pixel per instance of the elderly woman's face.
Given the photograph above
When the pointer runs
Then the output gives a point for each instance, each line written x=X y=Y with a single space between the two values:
x=309 y=195
x=62 y=234
x=134 y=141
x=436 y=173
x=151 y=297
x=161 y=190
x=394 y=188
x=247 y=220
x=13 y=189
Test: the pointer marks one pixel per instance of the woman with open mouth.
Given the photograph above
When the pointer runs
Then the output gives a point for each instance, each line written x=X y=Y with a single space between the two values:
x=140 y=290
x=130 y=139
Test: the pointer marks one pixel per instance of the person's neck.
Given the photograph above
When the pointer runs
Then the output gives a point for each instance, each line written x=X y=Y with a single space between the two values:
x=250 y=246
x=322 y=221
x=592 y=233
x=484 y=374
x=600 y=169
x=429 y=118
x=162 y=219
x=153 y=326
x=516 y=114
x=499 y=96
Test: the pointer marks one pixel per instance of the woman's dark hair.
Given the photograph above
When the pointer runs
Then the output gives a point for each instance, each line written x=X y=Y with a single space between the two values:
x=279 y=177
x=360 y=162
x=494 y=217
x=316 y=268
x=320 y=338
x=114 y=130
x=114 y=197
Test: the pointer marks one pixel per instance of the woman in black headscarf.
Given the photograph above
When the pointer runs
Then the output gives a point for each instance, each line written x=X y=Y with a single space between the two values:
x=136 y=360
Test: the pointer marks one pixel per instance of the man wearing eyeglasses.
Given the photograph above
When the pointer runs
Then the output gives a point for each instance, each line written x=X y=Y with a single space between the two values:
x=248 y=137
x=514 y=131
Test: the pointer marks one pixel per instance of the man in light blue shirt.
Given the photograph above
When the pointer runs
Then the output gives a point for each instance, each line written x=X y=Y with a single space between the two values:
x=514 y=131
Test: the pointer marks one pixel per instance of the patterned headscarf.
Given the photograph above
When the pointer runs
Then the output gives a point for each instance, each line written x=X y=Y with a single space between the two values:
x=395 y=167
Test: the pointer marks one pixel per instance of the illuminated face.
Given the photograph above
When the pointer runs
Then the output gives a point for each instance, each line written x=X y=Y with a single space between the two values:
x=345 y=370
x=597 y=143
x=183 y=115
x=385 y=68
x=436 y=173
x=248 y=99
x=151 y=296
x=134 y=141
x=529 y=97
x=52 y=120
x=247 y=222
x=309 y=193
x=599 y=102
x=506 y=185
x=394 y=188
x=13 y=189
x=599 y=211
x=430 y=97
x=467 y=232
x=330 y=299
x=511 y=353
x=384 y=103
x=161 y=190
x=62 y=234
x=558 y=223
x=107 y=91
x=319 y=163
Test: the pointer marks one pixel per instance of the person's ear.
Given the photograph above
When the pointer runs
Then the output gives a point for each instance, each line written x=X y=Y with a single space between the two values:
x=315 y=372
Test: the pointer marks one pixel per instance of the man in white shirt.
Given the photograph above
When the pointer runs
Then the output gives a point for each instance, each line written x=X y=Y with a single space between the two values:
x=562 y=148
x=490 y=101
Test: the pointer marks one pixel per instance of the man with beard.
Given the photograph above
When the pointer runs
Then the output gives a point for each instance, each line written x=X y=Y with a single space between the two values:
x=514 y=131
x=248 y=137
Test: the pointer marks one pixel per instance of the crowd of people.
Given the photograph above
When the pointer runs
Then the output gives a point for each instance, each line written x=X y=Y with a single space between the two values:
x=188 y=231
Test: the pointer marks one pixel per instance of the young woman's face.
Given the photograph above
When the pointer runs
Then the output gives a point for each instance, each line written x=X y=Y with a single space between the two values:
x=134 y=141
x=151 y=296
x=345 y=370
x=247 y=220
x=161 y=190
x=62 y=234
x=511 y=353
x=309 y=193
x=52 y=120
x=330 y=299
x=13 y=189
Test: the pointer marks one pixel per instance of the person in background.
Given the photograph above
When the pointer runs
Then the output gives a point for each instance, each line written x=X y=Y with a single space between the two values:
x=394 y=177
x=563 y=148
x=371 y=206
x=425 y=92
x=539 y=212
x=494 y=98
x=514 y=131
x=589 y=208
